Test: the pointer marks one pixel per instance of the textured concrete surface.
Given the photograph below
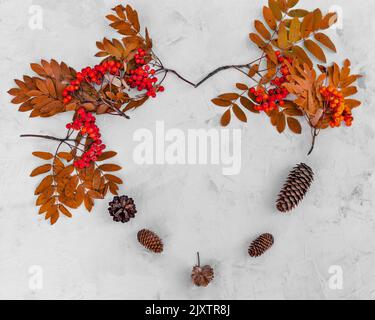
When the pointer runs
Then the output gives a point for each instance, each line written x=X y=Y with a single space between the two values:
x=191 y=207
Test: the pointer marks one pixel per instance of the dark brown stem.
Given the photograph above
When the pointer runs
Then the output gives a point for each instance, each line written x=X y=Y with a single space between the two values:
x=223 y=68
x=178 y=76
x=45 y=137
x=113 y=108
x=314 y=135
x=199 y=259
x=211 y=74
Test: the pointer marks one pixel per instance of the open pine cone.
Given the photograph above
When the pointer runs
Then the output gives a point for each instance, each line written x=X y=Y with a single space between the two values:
x=202 y=276
x=150 y=241
x=295 y=188
x=261 y=245
x=122 y=209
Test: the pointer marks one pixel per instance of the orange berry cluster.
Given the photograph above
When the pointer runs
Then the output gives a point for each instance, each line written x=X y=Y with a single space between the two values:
x=336 y=103
x=91 y=75
x=271 y=99
x=143 y=77
x=85 y=123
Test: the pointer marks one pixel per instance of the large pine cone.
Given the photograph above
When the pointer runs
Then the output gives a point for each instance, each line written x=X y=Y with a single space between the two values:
x=122 y=209
x=202 y=276
x=295 y=188
x=261 y=245
x=150 y=241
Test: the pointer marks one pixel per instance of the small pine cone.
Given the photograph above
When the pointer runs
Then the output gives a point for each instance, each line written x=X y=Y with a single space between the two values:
x=122 y=209
x=261 y=245
x=202 y=276
x=150 y=241
x=295 y=188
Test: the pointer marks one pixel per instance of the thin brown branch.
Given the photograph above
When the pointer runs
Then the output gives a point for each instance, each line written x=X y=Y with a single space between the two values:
x=178 y=75
x=45 y=137
x=223 y=68
x=315 y=134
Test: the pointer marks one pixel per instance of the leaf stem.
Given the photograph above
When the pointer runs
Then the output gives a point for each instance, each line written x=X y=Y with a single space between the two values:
x=314 y=136
x=45 y=137
x=223 y=68
x=166 y=70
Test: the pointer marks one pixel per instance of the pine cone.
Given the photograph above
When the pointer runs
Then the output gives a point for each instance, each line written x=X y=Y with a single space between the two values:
x=202 y=276
x=295 y=188
x=150 y=241
x=122 y=209
x=261 y=245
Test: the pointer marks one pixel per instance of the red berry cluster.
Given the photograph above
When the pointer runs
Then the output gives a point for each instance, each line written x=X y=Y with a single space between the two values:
x=143 y=77
x=271 y=99
x=85 y=123
x=336 y=103
x=91 y=75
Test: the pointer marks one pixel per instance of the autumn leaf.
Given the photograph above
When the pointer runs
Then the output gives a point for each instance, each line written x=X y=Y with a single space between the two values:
x=315 y=50
x=239 y=113
x=40 y=170
x=221 y=102
x=325 y=40
x=225 y=119
x=43 y=155
x=109 y=167
x=294 y=125
x=107 y=155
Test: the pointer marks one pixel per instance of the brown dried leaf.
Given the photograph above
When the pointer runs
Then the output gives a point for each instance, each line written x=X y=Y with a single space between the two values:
x=269 y=18
x=94 y=194
x=329 y=20
x=107 y=155
x=326 y=41
x=239 y=113
x=349 y=91
x=43 y=155
x=257 y=40
x=44 y=184
x=276 y=11
x=294 y=125
x=292 y=3
x=242 y=86
x=229 y=96
x=40 y=170
x=65 y=211
x=282 y=36
x=281 y=123
x=66 y=156
x=307 y=25
x=113 y=178
x=299 y=13
x=109 y=167
x=89 y=203
x=351 y=103
x=315 y=50
x=221 y=102
x=295 y=30
x=302 y=55
x=248 y=104
x=225 y=119
x=262 y=30
x=66 y=171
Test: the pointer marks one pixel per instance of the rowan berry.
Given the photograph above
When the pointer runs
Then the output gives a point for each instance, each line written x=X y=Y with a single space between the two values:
x=335 y=102
x=85 y=123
